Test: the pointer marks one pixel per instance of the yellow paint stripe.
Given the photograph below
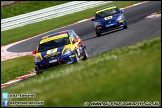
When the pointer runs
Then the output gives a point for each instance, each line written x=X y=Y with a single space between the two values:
x=68 y=46
x=105 y=9
x=53 y=38
x=39 y=54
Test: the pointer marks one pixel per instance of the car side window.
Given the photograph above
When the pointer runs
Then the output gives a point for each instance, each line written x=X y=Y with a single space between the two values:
x=72 y=36
x=76 y=36
x=96 y=16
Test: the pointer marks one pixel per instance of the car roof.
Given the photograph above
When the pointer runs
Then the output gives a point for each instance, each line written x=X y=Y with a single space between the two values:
x=53 y=35
x=106 y=7
x=56 y=34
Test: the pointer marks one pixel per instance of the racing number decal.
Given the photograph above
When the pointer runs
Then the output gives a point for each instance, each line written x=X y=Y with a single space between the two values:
x=107 y=18
x=52 y=51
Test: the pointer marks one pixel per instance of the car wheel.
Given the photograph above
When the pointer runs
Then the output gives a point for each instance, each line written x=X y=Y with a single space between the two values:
x=98 y=34
x=125 y=26
x=86 y=54
x=38 y=71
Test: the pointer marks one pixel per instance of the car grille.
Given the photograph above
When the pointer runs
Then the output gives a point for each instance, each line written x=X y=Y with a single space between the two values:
x=111 y=21
x=51 y=65
x=48 y=58
x=111 y=27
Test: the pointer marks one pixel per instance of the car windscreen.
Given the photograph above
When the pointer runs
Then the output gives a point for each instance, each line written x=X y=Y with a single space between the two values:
x=106 y=13
x=53 y=44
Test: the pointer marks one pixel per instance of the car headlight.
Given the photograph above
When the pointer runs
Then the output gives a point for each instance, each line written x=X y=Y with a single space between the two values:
x=97 y=24
x=120 y=18
x=37 y=59
x=67 y=51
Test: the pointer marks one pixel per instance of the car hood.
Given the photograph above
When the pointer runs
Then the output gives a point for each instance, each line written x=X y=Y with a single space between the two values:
x=50 y=52
x=54 y=51
x=103 y=20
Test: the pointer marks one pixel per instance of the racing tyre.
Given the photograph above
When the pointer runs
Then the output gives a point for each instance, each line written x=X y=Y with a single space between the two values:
x=125 y=27
x=86 y=54
x=98 y=34
x=38 y=71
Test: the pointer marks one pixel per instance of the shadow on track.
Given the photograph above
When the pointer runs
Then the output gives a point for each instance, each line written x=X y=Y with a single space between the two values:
x=106 y=33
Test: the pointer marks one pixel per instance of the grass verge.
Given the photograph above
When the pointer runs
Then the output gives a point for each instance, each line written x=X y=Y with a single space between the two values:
x=130 y=73
x=16 y=67
x=23 y=7
x=31 y=30
x=159 y=12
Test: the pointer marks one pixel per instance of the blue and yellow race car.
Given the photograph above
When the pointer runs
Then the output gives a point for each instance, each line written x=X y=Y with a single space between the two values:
x=60 y=48
x=108 y=18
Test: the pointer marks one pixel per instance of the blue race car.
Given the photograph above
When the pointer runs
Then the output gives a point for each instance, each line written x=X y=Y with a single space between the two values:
x=108 y=18
x=60 y=48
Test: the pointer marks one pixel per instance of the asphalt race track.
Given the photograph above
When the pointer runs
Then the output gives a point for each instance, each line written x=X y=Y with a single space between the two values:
x=139 y=28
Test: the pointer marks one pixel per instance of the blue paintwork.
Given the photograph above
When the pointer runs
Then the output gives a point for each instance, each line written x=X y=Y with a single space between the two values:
x=65 y=58
x=110 y=23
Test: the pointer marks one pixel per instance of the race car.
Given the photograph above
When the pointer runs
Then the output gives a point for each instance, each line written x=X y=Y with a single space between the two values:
x=56 y=49
x=108 y=18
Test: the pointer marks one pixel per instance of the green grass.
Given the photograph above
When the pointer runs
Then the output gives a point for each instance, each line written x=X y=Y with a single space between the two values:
x=16 y=67
x=25 y=7
x=31 y=30
x=130 y=73
x=159 y=12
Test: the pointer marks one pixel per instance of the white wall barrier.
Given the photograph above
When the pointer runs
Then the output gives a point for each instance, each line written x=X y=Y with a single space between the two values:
x=48 y=13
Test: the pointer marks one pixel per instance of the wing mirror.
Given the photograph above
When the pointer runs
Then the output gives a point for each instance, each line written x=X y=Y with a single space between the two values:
x=93 y=19
x=34 y=52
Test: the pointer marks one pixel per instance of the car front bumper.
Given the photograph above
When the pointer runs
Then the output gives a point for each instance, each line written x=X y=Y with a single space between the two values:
x=110 y=26
x=53 y=62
